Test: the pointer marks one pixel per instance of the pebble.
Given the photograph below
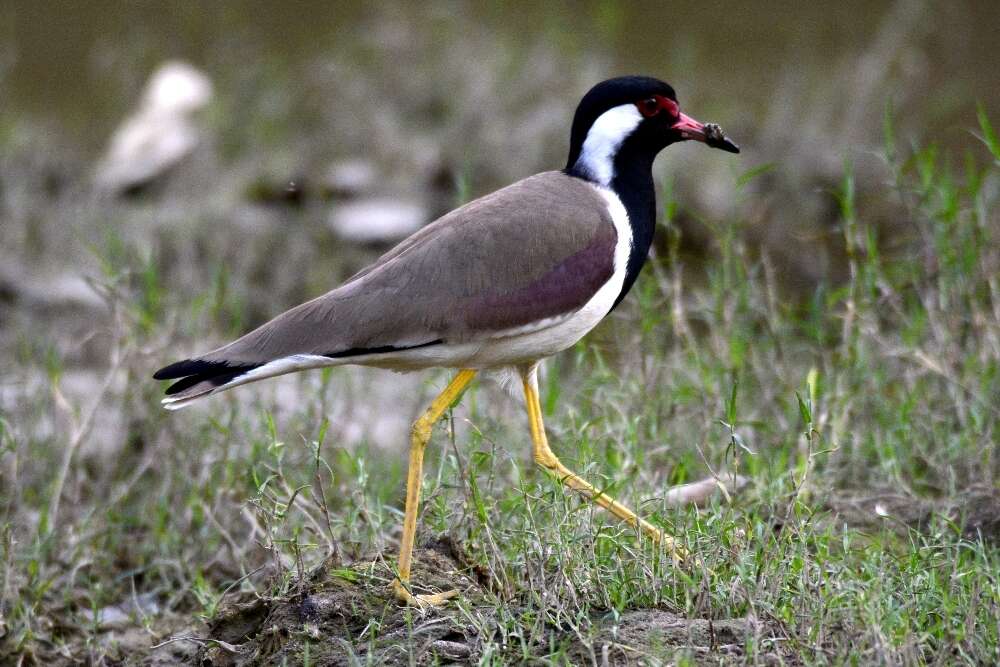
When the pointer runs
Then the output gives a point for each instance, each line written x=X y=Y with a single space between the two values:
x=377 y=219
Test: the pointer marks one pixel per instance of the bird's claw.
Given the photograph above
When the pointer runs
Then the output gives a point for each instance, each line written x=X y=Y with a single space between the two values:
x=423 y=601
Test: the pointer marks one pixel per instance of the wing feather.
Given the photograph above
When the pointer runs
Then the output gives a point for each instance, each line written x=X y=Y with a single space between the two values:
x=535 y=250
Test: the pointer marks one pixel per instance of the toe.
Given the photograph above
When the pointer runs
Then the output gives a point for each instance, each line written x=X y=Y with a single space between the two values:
x=436 y=599
x=422 y=601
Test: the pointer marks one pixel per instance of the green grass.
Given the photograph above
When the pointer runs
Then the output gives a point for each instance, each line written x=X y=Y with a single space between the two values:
x=865 y=414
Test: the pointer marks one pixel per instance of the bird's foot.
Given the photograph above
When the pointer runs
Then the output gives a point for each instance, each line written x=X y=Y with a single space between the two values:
x=681 y=556
x=421 y=601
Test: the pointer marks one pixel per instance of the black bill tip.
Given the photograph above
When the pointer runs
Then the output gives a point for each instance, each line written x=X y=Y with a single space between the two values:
x=716 y=138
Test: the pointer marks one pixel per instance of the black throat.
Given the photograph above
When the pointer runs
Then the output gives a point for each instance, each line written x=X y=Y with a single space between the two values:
x=633 y=183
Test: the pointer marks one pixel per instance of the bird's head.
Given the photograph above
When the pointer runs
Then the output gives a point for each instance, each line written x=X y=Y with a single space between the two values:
x=631 y=118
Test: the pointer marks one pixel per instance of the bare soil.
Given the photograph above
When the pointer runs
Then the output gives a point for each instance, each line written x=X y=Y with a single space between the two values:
x=973 y=512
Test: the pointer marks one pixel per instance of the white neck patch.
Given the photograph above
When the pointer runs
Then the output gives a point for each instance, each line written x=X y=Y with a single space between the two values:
x=603 y=141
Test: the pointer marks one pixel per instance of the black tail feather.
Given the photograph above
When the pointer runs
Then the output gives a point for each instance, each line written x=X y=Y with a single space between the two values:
x=190 y=372
x=182 y=368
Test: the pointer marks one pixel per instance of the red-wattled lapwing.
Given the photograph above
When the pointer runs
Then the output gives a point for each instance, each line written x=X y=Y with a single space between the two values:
x=503 y=281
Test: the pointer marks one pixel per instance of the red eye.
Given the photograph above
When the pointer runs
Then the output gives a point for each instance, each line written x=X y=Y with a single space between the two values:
x=649 y=107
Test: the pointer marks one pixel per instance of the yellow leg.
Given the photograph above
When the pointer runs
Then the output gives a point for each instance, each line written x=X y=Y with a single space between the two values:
x=548 y=460
x=420 y=435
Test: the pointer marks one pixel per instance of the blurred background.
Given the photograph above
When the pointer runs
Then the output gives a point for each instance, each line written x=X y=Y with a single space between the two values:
x=174 y=173
x=297 y=141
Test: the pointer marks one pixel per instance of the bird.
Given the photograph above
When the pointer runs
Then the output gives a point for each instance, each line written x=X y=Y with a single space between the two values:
x=160 y=133
x=501 y=282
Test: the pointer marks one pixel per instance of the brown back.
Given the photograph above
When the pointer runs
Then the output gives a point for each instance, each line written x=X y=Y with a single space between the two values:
x=533 y=250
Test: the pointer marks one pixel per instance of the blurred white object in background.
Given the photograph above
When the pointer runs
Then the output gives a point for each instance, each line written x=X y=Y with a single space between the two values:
x=160 y=133
x=377 y=219
x=349 y=178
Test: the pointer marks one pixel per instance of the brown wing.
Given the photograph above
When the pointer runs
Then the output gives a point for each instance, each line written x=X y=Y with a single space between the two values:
x=537 y=249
